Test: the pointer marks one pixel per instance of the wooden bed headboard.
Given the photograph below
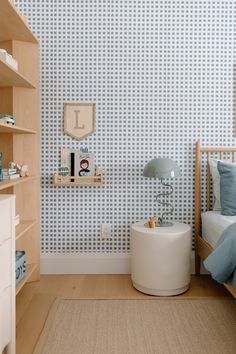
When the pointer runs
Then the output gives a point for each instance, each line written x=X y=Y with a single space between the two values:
x=208 y=152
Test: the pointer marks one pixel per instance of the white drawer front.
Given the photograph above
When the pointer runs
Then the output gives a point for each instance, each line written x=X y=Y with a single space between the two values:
x=5 y=221
x=5 y=318
x=5 y=264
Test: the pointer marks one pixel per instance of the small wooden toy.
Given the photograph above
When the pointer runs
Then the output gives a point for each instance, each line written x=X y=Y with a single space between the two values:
x=151 y=224
x=21 y=169
x=14 y=165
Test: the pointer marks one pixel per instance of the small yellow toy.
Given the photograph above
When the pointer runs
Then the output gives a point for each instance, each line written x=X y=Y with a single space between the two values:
x=151 y=224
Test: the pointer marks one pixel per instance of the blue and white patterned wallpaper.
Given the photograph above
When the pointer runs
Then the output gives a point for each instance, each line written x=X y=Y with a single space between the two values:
x=161 y=74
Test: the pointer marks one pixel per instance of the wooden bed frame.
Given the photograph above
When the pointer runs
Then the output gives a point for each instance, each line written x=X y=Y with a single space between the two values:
x=202 y=248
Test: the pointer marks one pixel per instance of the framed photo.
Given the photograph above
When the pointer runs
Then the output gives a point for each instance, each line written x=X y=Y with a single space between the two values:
x=79 y=119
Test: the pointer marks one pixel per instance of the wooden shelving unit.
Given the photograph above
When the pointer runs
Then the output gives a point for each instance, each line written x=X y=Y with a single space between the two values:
x=11 y=183
x=30 y=268
x=10 y=77
x=19 y=96
x=23 y=227
x=13 y=129
x=13 y=26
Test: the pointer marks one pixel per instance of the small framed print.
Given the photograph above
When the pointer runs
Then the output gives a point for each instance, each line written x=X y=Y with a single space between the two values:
x=79 y=119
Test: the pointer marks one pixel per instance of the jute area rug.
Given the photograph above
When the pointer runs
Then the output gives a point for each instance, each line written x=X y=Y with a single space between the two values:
x=140 y=327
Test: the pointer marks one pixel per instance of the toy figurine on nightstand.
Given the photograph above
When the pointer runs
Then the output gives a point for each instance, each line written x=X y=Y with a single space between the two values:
x=151 y=223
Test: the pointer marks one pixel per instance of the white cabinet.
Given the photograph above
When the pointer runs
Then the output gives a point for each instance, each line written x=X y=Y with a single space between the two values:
x=7 y=273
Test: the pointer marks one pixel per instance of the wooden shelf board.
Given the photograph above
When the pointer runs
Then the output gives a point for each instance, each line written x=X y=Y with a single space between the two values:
x=78 y=184
x=13 y=129
x=11 y=183
x=30 y=268
x=10 y=77
x=23 y=227
x=13 y=26
x=94 y=181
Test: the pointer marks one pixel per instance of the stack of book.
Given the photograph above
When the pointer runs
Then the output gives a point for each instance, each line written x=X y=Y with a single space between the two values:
x=10 y=173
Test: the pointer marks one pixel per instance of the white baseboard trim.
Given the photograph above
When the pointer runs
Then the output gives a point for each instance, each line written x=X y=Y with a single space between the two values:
x=85 y=263
x=89 y=263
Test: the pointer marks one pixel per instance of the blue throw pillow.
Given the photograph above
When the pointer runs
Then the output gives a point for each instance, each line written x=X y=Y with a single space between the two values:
x=227 y=188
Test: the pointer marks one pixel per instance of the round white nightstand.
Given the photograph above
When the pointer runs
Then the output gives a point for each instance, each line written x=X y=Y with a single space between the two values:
x=160 y=260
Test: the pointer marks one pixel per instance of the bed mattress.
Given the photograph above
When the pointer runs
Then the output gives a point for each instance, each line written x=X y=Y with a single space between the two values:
x=213 y=224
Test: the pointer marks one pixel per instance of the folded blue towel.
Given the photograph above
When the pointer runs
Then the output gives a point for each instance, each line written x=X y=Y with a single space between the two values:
x=222 y=261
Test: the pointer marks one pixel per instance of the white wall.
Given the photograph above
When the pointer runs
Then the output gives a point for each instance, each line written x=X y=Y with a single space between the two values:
x=161 y=74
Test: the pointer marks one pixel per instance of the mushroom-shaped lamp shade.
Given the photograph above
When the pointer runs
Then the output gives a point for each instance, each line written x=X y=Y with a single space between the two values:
x=161 y=168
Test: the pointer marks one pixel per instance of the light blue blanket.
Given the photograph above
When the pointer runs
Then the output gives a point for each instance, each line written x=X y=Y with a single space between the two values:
x=222 y=261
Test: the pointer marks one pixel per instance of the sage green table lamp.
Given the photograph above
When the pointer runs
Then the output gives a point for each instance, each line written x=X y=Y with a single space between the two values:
x=163 y=168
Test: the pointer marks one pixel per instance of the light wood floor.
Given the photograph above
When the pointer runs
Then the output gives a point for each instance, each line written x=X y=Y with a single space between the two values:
x=35 y=299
